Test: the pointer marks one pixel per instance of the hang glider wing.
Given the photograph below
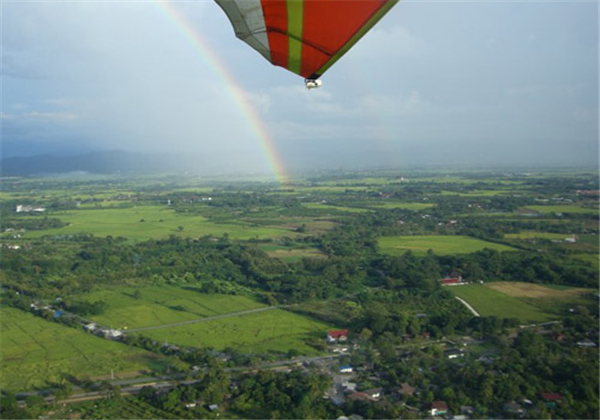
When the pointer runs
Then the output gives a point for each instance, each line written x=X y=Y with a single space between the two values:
x=304 y=36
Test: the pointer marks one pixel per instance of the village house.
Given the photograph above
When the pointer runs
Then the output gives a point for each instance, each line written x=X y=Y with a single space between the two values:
x=513 y=409
x=451 y=281
x=337 y=335
x=374 y=393
x=406 y=389
x=586 y=343
x=90 y=327
x=27 y=209
x=438 y=408
x=453 y=353
x=551 y=399
x=349 y=386
x=346 y=369
x=361 y=396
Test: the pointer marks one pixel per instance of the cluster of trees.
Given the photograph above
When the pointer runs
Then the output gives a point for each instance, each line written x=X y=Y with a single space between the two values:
x=30 y=222
x=264 y=394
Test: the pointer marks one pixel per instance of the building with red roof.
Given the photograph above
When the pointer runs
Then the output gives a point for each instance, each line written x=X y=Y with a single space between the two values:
x=337 y=335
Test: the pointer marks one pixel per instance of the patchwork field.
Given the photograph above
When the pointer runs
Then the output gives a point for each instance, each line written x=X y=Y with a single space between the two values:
x=160 y=305
x=526 y=301
x=542 y=235
x=320 y=206
x=530 y=290
x=35 y=352
x=147 y=222
x=442 y=245
x=552 y=299
x=561 y=209
x=478 y=193
x=491 y=302
x=273 y=330
x=405 y=206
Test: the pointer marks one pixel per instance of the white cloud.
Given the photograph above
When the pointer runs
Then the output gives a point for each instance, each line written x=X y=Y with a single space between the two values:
x=36 y=115
x=392 y=105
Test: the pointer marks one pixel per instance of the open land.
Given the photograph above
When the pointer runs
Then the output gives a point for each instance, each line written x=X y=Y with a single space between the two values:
x=158 y=305
x=440 y=244
x=490 y=302
x=275 y=330
x=36 y=353
x=317 y=235
x=146 y=222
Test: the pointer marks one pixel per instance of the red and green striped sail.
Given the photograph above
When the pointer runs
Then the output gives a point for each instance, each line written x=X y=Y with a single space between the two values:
x=304 y=36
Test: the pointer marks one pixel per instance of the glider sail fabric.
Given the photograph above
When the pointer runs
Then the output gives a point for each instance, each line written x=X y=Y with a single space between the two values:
x=304 y=36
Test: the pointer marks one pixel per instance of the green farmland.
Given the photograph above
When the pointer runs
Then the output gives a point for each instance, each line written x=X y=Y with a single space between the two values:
x=440 y=244
x=273 y=330
x=36 y=352
x=159 y=305
x=148 y=222
x=574 y=209
x=537 y=235
x=320 y=206
x=405 y=206
x=490 y=302
x=291 y=254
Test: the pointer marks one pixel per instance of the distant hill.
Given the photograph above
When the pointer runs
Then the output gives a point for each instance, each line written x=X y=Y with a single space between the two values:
x=104 y=162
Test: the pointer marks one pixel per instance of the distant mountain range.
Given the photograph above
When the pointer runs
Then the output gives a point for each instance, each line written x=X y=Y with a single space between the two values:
x=104 y=162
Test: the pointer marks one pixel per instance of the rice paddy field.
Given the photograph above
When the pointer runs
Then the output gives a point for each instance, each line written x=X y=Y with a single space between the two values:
x=36 y=352
x=440 y=244
x=405 y=206
x=160 y=305
x=574 y=209
x=479 y=193
x=535 y=235
x=274 y=330
x=527 y=302
x=320 y=206
x=147 y=222
x=491 y=302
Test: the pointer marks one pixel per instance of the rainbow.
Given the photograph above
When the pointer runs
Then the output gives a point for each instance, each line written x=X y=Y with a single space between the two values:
x=185 y=28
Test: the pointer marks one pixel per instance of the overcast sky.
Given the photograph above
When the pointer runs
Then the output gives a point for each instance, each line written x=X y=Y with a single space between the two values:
x=480 y=83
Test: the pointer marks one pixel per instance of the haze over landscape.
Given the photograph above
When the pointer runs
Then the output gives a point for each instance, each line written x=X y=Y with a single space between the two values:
x=434 y=83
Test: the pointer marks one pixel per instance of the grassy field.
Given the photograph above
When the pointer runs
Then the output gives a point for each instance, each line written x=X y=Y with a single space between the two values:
x=478 y=193
x=273 y=330
x=35 y=352
x=405 y=206
x=147 y=222
x=552 y=299
x=530 y=290
x=566 y=208
x=532 y=234
x=290 y=254
x=331 y=189
x=442 y=245
x=159 y=305
x=591 y=258
x=320 y=206
x=491 y=302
